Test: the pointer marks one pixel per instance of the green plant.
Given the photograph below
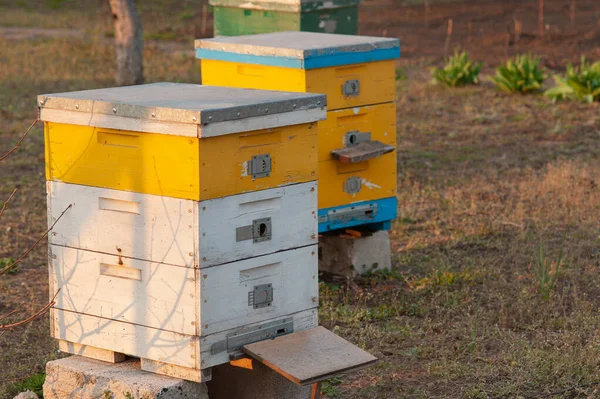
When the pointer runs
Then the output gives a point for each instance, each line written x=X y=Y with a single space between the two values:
x=580 y=83
x=34 y=383
x=522 y=74
x=546 y=270
x=460 y=70
x=330 y=387
x=4 y=262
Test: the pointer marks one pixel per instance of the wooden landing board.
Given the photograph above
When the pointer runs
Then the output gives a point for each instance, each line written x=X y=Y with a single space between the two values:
x=309 y=356
x=362 y=152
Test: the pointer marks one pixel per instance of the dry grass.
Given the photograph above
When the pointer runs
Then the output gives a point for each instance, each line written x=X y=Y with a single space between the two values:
x=485 y=178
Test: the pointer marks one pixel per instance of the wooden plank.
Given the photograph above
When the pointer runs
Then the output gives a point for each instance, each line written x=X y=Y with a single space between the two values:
x=225 y=289
x=91 y=352
x=130 y=339
x=135 y=291
x=132 y=225
x=362 y=151
x=309 y=356
x=291 y=210
x=172 y=370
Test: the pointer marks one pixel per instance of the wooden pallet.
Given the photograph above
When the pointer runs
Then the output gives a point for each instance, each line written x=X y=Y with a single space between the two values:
x=149 y=365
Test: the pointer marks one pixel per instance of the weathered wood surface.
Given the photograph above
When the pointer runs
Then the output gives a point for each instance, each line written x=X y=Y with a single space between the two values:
x=189 y=352
x=309 y=356
x=292 y=213
x=361 y=152
x=172 y=231
x=91 y=352
x=225 y=289
x=133 y=225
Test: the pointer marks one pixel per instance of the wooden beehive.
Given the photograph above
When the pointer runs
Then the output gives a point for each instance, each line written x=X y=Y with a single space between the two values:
x=357 y=163
x=191 y=227
x=242 y=17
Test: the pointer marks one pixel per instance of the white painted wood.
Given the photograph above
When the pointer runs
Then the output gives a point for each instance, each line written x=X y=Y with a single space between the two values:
x=167 y=297
x=263 y=122
x=118 y=122
x=301 y=320
x=130 y=339
x=148 y=343
x=224 y=289
x=182 y=129
x=141 y=226
x=91 y=352
x=149 y=294
x=294 y=222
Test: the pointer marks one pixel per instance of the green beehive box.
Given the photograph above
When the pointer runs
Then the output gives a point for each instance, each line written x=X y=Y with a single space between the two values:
x=243 y=17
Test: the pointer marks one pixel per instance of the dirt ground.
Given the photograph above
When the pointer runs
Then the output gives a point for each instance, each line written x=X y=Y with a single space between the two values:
x=486 y=181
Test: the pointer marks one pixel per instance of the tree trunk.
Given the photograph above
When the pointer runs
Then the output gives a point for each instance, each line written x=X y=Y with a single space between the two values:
x=128 y=41
x=540 y=18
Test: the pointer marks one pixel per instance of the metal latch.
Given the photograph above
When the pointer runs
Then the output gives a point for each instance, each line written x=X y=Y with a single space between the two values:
x=351 y=88
x=352 y=185
x=260 y=230
x=360 y=212
x=247 y=335
x=355 y=137
x=260 y=166
x=261 y=296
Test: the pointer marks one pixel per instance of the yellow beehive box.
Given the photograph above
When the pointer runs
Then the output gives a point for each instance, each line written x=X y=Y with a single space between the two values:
x=351 y=70
x=181 y=140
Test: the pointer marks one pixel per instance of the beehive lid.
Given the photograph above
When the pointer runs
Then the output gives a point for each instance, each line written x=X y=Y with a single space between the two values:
x=285 y=5
x=309 y=356
x=182 y=109
x=303 y=50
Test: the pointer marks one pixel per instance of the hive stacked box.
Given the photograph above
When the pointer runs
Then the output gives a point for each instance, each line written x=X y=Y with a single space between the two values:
x=243 y=17
x=357 y=162
x=191 y=220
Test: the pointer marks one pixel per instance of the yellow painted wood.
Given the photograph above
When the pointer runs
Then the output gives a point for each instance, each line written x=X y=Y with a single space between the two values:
x=251 y=76
x=376 y=80
x=293 y=151
x=379 y=120
x=145 y=163
x=176 y=166
x=378 y=177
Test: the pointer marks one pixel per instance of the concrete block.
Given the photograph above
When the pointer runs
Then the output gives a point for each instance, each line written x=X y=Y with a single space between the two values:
x=259 y=382
x=349 y=257
x=78 y=377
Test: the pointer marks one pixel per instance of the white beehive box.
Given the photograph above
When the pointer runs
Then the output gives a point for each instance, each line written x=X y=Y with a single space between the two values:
x=181 y=259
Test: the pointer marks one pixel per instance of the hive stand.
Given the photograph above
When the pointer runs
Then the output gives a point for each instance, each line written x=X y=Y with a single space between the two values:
x=78 y=377
x=349 y=254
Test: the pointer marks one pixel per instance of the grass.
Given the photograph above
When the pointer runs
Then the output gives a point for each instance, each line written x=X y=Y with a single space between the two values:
x=484 y=179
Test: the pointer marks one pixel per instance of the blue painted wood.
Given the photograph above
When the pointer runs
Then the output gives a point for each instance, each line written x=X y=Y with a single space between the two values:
x=311 y=61
x=387 y=210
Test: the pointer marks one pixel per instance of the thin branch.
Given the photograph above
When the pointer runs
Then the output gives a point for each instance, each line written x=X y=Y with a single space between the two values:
x=20 y=141
x=6 y=202
x=33 y=316
x=12 y=312
x=7 y=268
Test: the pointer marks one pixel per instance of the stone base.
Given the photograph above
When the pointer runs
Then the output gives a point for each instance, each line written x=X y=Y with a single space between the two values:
x=257 y=382
x=78 y=377
x=353 y=256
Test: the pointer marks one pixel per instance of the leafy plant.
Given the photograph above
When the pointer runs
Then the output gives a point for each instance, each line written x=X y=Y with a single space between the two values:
x=546 y=270
x=330 y=387
x=35 y=383
x=4 y=262
x=580 y=83
x=522 y=74
x=460 y=70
